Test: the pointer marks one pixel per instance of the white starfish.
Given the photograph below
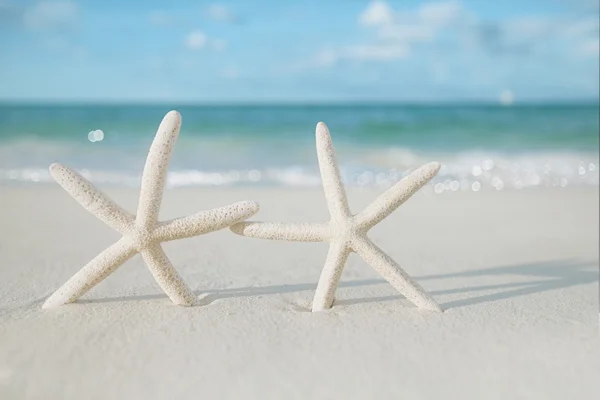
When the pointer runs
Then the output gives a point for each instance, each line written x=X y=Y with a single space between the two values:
x=142 y=233
x=346 y=232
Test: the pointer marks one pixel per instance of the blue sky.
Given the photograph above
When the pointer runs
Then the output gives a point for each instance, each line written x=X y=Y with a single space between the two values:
x=298 y=51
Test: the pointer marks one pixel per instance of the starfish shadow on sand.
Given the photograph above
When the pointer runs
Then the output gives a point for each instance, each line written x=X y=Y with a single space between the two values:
x=547 y=276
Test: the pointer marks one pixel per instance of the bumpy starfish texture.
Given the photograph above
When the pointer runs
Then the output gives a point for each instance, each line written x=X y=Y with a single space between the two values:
x=346 y=232
x=142 y=233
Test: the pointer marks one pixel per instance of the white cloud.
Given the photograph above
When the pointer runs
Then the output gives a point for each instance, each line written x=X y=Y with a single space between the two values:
x=423 y=24
x=583 y=34
x=221 y=13
x=399 y=31
x=407 y=34
x=360 y=52
x=540 y=35
x=377 y=13
x=196 y=40
x=428 y=16
x=53 y=21
x=440 y=14
x=451 y=48
x=51 y=15
x=396 y=32
x=378 y=52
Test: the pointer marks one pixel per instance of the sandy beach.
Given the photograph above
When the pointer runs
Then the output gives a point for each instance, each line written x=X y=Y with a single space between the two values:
x=515 y=271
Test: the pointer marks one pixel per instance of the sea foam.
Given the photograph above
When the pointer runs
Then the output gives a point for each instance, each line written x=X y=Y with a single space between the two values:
x=467 y=171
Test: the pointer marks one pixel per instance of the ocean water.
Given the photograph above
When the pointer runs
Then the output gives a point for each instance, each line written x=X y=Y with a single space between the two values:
x=481 y=147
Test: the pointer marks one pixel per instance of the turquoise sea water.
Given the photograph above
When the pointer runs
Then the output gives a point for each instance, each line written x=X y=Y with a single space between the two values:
x=479 y=146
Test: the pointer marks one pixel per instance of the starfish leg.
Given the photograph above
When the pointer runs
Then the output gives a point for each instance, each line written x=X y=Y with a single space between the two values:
x=167 y=277
x=92 y=274
x=330 y=174
x=330 y=276
x=392 y=198
x=394 y=274
x=205 y=221
x=155 y=170
x=91 y=198
x=290 y=231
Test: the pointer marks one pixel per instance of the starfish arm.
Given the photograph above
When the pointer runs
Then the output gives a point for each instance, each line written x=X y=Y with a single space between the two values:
x=91 y=198
x=93 y=273
x=394 y=274
x=205 y=221
x=167 y=277
x=289 y=231
x=330 y=276
x=155 y=170
x=330 y=175
x=391 y=199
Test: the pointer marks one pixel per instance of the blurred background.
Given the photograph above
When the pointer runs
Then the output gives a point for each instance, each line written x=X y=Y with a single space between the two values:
x=504 y=94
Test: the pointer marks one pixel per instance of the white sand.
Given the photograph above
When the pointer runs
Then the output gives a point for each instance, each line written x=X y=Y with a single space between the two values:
x=516 y=271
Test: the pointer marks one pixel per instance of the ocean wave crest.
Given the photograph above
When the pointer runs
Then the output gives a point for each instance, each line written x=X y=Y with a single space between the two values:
x=469 y=171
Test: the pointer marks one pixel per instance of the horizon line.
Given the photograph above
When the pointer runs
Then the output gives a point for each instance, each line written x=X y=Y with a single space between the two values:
x=284 y=103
